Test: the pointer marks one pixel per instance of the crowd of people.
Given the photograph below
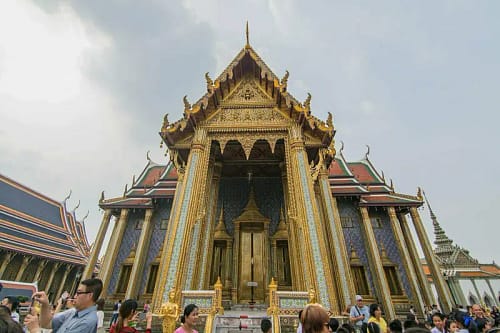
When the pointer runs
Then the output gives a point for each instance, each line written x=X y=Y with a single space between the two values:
x=85 y=313
x=368 y=319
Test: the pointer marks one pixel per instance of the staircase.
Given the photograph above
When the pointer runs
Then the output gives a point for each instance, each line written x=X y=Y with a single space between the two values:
x=242 y=318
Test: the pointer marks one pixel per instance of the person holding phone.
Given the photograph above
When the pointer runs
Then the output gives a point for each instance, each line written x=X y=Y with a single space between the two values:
x=127 y=318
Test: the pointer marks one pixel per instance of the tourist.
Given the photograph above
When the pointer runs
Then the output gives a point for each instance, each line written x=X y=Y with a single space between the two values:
x=82 y=318
x=438 y=322
x=7 y=324
x=465 y=322
x=100 y=315
x=12 y=303
x=147 y=307
x=451 y=326
x=116 y=311
x=396 y=326
x=333 y=324
x=359 y=314
x=127 y=318
x=266 y=326
x=188 y=319
x=299 y=326
x=376 y=317
x=314 y=319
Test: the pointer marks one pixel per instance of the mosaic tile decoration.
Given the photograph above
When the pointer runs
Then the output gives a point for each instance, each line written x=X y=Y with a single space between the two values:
x=234 y=192
x=130 y=238
x=325 y=186
x=385 y=237
x=210 y=223
x=317 y=258
x=172 y=268
x=354 y=236
x=192 y=255
x=292 y=303
x=200 y=301
x=157 y=237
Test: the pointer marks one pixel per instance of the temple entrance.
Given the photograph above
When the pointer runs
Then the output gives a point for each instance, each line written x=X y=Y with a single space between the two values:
x=252 y=265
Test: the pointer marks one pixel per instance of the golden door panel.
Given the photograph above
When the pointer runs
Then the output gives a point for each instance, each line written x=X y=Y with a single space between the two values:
x=251 y=247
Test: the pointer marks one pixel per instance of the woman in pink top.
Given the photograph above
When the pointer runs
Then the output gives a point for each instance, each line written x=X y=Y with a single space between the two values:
x=188 y=319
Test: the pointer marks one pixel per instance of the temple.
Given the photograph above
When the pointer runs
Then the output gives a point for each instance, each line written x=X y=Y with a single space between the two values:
x=470 y=281
x=41 y=241
x=255 y=190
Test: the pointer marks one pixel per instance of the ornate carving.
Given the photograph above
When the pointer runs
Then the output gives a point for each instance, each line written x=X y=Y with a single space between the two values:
x=247 y=92
x=210 y=83
x=329 y=120
x=248 y=139
x=248 y=116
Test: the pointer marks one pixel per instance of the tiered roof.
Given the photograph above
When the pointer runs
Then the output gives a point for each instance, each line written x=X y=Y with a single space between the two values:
x=246 y=63
x=155 y=181
x=356 y=179
x=361 y=179
x=34 y=224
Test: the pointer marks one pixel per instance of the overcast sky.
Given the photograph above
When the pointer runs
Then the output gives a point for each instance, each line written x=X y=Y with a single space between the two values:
x=84 y=87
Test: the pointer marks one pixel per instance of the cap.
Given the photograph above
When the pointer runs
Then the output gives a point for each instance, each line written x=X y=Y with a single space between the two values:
x=359 y=298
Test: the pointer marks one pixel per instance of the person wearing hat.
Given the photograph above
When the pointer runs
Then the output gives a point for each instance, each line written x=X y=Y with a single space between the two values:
x=359 y=314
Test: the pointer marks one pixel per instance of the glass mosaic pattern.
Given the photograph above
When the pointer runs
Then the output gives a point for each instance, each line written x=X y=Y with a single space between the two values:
x=317 y=258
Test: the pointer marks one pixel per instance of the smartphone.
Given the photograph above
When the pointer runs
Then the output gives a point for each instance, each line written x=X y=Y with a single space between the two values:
x=142 y=316
x=31 y=305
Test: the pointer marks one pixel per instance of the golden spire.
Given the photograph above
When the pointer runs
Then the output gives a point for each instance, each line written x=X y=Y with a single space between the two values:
x=248 y=39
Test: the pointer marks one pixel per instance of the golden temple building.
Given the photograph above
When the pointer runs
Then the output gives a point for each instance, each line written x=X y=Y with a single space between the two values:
x=255 y=190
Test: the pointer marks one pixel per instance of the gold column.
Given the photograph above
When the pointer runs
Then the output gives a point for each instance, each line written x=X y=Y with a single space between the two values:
x=317 y=266
x=96 y=248
x=340 y=259
x=55 y=267
x=378 y=274
x=266 y=254
x=24 y=264
x=406 y=259
x=201 y=274
x=442 y=289
x=156 y=302
x=39 y=269
x=65 y=276
x=274 y=265
x=112 y=251
x=298 y=282
x=425 y=288
x=229 y=257
x=236 y=258
x=6 y=260
x=140 y=256
x=187 y=211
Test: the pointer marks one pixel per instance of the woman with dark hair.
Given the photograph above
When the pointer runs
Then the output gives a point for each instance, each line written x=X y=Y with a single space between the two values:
x=314 y=319
x=438 y=321
x=376 y=317
x=451 y=326
x=465 y=322
x=188 y=319
x=127 y=318
x=6 y=323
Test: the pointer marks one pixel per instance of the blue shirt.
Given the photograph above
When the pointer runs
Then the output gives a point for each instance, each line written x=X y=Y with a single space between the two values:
x=72 y=321
x=362 y=310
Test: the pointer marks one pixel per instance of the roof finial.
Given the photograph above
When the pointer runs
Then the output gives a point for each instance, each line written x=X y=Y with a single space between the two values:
x=367 y=152
x=85 y=217
x=147 y=156
x=102 y=197
x=419 y=194
x=68 y=196
x=76 y=207
x=248 y=38
x=341 y=146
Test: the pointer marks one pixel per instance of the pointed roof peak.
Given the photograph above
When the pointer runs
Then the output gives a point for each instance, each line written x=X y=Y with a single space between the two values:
x=443 y=243
x=247 y=35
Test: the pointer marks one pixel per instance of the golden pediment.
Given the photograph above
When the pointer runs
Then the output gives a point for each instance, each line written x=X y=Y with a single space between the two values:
x=248 y=116
x=248 y=92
